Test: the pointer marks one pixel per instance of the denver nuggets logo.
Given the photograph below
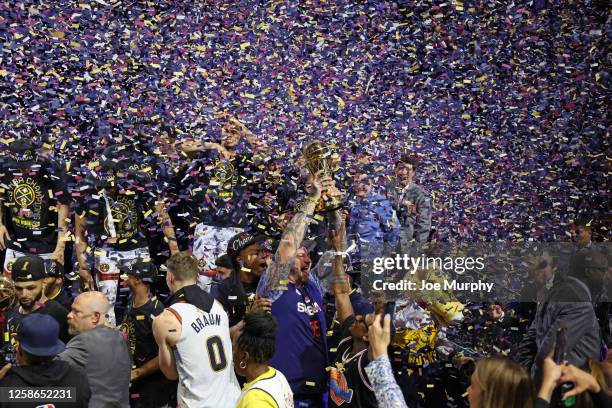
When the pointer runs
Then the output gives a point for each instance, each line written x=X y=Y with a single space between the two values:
x=201 y=263
x=124 y=218
x=27 y=196
x=224 y=171
x=104 y=268
x=9 y=266
x=24 y=195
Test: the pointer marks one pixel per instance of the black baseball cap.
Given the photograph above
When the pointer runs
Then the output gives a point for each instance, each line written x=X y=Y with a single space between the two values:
x=240 y=241
x=28 y=268
x=54 y=268
x=223 y=261
x=145 y=270
x=21 y=150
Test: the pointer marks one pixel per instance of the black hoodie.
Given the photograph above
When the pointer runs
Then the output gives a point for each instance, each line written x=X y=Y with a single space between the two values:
x=235 y=296
x=193 y=295
x=58 y=374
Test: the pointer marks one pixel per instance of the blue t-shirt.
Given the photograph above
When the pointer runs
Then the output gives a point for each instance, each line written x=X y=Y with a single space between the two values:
x=301 y=343
x=373 y=220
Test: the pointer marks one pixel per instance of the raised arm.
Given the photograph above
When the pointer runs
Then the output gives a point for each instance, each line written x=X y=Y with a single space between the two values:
x=63 y=213
x=4 y=235
x=378 y=370
x=80 y=247
x=340 y=282
x=167 y=226
x=290 y=240
x=192 y=146
x=258 y=144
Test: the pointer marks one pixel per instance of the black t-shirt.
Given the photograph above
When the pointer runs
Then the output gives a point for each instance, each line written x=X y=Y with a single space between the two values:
x=30 y=195
x=349 y=384
x=129 y=209
x=14 y=317
x=138 y=326
x=154 y=390
x=235 y=303
x=56 y=373
x=220 y=187
x=64 y=298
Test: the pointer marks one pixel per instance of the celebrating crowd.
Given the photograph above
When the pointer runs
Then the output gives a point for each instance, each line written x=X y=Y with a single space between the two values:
x=262 y=266
x=189 y=195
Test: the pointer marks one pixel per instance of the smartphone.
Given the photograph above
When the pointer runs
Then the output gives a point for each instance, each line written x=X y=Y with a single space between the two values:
x=390 y=310
x=559 y=356
x=560 y=345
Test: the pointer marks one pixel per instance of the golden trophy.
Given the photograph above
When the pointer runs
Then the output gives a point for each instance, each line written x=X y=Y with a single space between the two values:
x=318 y=156
x=8 y=294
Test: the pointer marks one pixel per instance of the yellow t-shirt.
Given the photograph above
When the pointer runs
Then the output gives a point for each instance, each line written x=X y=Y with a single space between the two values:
x=257 y=398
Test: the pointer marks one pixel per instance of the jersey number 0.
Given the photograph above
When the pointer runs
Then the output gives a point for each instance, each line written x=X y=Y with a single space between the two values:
x=216 y=353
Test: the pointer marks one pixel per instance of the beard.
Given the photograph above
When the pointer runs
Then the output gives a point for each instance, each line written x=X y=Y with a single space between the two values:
x=299 y=276
x=73 y=331
x=29 y=305
x=50 y=289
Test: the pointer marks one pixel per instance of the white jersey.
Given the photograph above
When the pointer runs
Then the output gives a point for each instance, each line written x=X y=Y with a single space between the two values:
x=204 y=358
x=277 y=389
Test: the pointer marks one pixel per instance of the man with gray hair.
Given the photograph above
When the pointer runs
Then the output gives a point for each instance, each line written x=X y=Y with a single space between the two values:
x=100 y=350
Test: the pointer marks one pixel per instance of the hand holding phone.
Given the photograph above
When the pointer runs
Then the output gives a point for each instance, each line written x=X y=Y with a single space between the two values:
x=379 y=335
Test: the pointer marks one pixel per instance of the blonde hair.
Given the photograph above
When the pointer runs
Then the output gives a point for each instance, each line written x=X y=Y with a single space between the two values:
x=504 y=384
x=184 y=266
x=584 y=400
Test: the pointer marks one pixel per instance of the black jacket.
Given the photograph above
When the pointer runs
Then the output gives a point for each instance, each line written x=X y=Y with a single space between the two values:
x=55 y=373
x=235 y=297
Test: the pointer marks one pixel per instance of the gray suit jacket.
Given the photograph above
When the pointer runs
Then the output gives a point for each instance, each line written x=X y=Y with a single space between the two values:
x=567 y=304
x=103 y=354
x=415 y=220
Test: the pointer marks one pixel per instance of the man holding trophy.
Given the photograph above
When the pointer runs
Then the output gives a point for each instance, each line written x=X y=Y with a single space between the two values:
x=295 y=292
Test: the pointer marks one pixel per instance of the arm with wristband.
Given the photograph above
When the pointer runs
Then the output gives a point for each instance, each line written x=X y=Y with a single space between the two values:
x=271 y=281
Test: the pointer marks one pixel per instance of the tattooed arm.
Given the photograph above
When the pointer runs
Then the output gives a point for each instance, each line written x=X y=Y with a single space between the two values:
x=340 y=283
x=292 y=236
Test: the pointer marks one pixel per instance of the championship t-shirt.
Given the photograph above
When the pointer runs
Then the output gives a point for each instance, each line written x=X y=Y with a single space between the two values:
x=143 y=168
x=129 y=210
x=349 y=386
x=155 y=389
x=236 y=302
x=220 y=188
x=64 y=298
x=30 y=194
x=14 y=317
x=138 y=327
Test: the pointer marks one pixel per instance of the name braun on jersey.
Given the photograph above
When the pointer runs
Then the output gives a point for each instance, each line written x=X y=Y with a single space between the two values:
x=206 y=320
